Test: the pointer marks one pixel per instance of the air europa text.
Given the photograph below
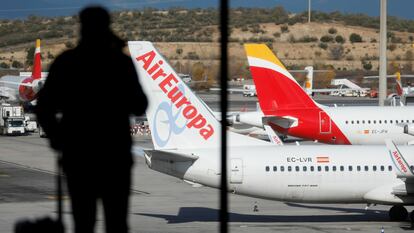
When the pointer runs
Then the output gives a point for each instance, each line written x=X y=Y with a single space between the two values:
x=168 y=84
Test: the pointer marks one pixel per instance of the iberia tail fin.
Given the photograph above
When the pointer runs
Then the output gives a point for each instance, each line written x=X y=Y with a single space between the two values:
x=177 y=118
x=37 y=62
x=309 y=80
x=399 y=86
x=276 y=87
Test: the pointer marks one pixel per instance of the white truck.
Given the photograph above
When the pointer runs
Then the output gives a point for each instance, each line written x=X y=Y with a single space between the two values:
x=12 y=120
x=249 y=90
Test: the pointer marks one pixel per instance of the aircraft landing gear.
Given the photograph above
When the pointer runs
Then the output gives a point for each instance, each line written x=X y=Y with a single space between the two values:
x=399 y=213
x=412 y=216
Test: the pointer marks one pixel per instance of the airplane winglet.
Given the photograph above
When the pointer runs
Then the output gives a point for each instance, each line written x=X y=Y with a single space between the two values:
x=273 y=136
x=403 y=169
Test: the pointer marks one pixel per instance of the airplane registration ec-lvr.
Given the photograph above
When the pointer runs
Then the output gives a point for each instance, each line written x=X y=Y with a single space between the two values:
x=185 y=135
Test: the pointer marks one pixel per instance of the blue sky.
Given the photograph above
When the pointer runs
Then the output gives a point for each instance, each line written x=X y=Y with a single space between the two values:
x=23 y=8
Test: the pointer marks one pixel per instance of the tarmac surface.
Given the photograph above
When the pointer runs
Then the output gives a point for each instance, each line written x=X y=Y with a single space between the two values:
x=161 y=203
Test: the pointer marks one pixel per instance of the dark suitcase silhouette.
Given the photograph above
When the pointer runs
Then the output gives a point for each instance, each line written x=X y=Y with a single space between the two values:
x=46 y=224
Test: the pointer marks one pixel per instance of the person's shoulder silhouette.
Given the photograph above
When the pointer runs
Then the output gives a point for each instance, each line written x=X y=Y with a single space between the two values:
x=84 y=108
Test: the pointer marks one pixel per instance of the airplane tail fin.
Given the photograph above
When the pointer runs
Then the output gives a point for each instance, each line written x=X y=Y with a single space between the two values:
x=399 y=86
x=276 y=87
x=177 y=118
x=309 y=80
x=37 y=62
x=402 y=168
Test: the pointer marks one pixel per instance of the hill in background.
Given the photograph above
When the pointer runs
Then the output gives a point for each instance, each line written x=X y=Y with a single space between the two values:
x=188 y=38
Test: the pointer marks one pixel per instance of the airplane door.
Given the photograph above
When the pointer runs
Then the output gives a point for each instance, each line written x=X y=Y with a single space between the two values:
x=324 y=123
x=236 y=175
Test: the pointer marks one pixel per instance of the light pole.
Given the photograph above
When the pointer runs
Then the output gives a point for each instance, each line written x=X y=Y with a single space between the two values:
x=309 y=11
x=382 y=92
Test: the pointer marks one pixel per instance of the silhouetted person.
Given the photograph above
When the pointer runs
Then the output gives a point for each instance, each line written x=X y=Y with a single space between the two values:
x=84 y=109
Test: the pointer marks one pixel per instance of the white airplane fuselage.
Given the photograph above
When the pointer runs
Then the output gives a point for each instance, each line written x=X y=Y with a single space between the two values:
x=345 y=181
x=344 y=125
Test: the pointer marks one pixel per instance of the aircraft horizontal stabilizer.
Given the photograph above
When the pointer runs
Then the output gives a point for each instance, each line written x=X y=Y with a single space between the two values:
x=169 y=156
x=284 y=122
x=17 y=83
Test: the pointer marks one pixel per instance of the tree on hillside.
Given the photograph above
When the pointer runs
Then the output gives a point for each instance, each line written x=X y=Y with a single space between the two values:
x=339 y=39
x=4 y=65
x=355 y=38
x=17 y=64
x=279 y=15
x=332 y=31
x=30 y=56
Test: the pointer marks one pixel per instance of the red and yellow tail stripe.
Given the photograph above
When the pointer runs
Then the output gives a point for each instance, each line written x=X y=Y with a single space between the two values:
x=37 y=62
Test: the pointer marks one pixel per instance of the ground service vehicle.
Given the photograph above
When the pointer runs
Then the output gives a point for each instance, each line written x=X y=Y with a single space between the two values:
x=11 y=120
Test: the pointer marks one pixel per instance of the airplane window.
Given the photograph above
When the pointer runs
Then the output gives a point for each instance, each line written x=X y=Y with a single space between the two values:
x=408 y=121
x=357 y=122
x=352 y=122
x=366 y=168
x=334 y=168
x=385 y=121
x=282 y=168
x=374 y=122
x=346 y=122
x=363 y=122
x=267 y=168
x=369 y=122
x=274 y=168
x=304 y=168
x=379 y=122
x=374 y=168
x=319 y=168
x=327 y=168
x=358 y=168
x=311 y=168
x=350 y=168
x=390 y=121
x=289 y=168
x=396 y=121
x=389 y=168
x=412 y=121
x=382 y=168
x=297 y=168
x=341 y=168
x=412 y=168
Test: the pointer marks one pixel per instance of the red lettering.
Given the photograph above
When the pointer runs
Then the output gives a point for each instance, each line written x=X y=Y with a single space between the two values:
x=181 y=102
x=207 y=132
x=197 y=122
x=159 y=73
x=189 y=112
x=167 y=82
x=174 y=94
x=154 y=68
x=147 y=59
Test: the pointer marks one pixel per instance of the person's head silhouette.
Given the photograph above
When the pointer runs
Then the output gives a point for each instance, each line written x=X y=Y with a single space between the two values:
x=95 y=26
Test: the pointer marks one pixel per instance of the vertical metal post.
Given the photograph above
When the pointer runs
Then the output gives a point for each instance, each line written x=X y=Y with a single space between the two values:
x=309 y=11
x=382 y=92
x=224 y=12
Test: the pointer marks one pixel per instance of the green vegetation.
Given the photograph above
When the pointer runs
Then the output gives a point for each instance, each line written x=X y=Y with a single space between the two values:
x=188 y=25
x=339 y=39
x=332 y=31
x=355 y=38
x=326 y=39
x=17 y=64
x=4 y=65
